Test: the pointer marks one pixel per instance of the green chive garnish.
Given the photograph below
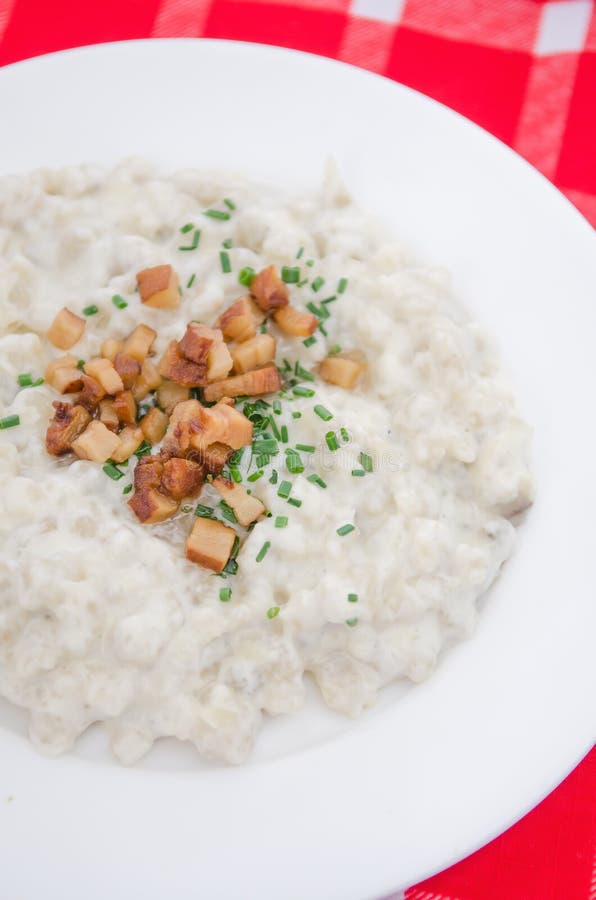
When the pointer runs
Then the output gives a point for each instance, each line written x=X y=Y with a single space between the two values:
x=246 y=275
x=25 y=380
x=293 y=501
x=342 y=285
x=113 y=471
x=276 y=432
x=351 y=622
x=273 y=478
x=224 y=594
x=191 y=280
x=90 y=310
x=229 y=203
x=127 y=489
x=204 y=512
x=335 y=348
x=255 y=476
x=195 y=241
x=143 y=450
x=344 y=435
x=304 y=374
x=310 y=263
x=300 y=252
x=281 y=521
x=265 y=446
x=277 y=407
x=306 y=448
x=231 y=567
x=329 y=299
x=352 y=598
x=300 y=391
x=302 y=283
x=290 y=274
x=217 y=214
x=10 y=422
x=272 y=612
x=119 y=302
x=186 y=228
x=227 y=244
x=296 y=415
x=316 y=479
x=345 y=529
x=331 y=440
x=293 y=462
x=284 y=490
x=263 y=553
x=284 y=434
x=309 y=341
x=317 y=283
x=236 y=474
x=227 y=512
x=322 y=329
x=226 y=265
x=358 y=473
x=81 y=364
x=323 y=413
x=321 y=312
x=366 y=462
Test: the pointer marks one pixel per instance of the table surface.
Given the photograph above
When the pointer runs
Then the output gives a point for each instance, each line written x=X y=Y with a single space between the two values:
x=525 y=71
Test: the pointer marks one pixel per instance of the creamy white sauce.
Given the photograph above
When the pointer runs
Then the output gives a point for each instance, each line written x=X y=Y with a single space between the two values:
x=103 y=619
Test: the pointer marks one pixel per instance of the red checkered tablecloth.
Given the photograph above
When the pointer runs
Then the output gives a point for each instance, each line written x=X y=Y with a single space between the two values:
x=525 y=71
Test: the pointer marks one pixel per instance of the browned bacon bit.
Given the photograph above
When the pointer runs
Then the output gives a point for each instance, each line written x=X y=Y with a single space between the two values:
x=182 y=478
x=130 y=439
x=215 y=456
x=158 y=287
x=185 y=418
x=103 y=371
x=197 y=342
x=68 y=423
x=65 y=380
x=269 y=290
x=66 y=329
x=128 y=369
x=96 y=443
x=257 y=351
x=154 y=425
x=259 y=381
x=150 y=505
x=110 y=348
x=239 y=321
x=148 y=472
x=139 y=343
x=178 y=368
x=91 y=394
x=294 y=322
x=210 y=544
x=149 y=380
x=108 y=415
x=343 y=369
x=169 y=394
x=126 y=408
x=247 y=509
x=221 y=424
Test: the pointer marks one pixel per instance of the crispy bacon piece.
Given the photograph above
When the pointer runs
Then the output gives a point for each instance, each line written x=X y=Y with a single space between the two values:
x=158 y=287
x=154 y=425
x=148 y=472
x=219 y=363
x=182 y=478
x=185 y=416
x=66 y=380
x=128 y=369
x=246 y=508
x=209 y=544
x=108 y=414
x=260 y=381
x=110 y=348
x=66 y=329
x=149 y=380
x=197 y=342
x=294 y=322
x=130 y=439
x=63 y=362
x=103 y=371
x=91 y=393
x=150 y=506
x=68 y=423
x=126 y=408
x=139 y=343
x=344 y=369
x=176 y=367
x=269 y=290
x=215 y=456
x=255 y=352
x=169 y=394
x=221 y=424
x=239 y=321
x=96 y=443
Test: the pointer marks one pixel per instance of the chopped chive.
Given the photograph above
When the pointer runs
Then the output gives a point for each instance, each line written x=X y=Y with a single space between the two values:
x=229 y=203
x=272 y=612
x=186 y=228
x=317 y=283
x=345 y=529
x=246 y=275
x=225 y=594
x=284 y=434
x=294 y=462
x=263 y=553
x=80 y=364
x=342 y=285
x=293 y=501
x=226 y=265
x=236 y=474
x=235 y=547
x=322 y=329
x=300 y=252
x=236 y=457
x=143 y=449
x=90 y=310
x=281 y=521
x=127 y=489
x=335 y=348
x=119 y=302
x=329 y=299
x=300 y=391
x=265 y=446
x=310 y=263
x=25 y=380
x=191 y=280
x=277 y=407
x=195 y=241
x=306 y=448
x=321 y=312
x=296 y=415
x=366 y=462
x=309 y=341
x=10 y=421
x=113 y=471
x=216 y=214
x=302 y=283
x=331 y=440
x=316 y=479
x=204 y=512
x=273 y=478
x=290 y=274
x=358 y=473
x=351 y=622
x=227 y=244
x=227 y=512
x=276 y=432
x=304 y=374
x=352 y=598
x=255 y=476
x=231 y=567
x=287 y=366
x=344 y=435
x=262 y=460
x=284 y=490
x=323 y=413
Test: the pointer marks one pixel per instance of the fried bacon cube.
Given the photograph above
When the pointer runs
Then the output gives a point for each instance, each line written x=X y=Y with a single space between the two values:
x=343 y=369
x=182 y=478
x=110 y=348
x=154 y=425
x=239 y=321
x=246 y=508
x=130 y=439
x=219 y=363
x=197 y=341
x=103 y=371
x=68 y=423
x=294 y=322
x=176 y=367
x=63 y=362
x=128 y=369
x=150 y=506
x=91 y=393
x=158 y=287
x=108 y=414
x=149 y=380
x=96 y=443
x=221 y=424
x=66 y=329
x=260 y=381
x=169 y=394
x=126 y=408
x=209 y=544
x=148 y=472
x=139 y=343
x=215 y=456
x=66 y=380
x=185 y=417
x=255 y=352
x=269 y=290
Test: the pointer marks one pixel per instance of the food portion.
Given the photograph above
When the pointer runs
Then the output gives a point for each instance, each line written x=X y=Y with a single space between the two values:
x=244 y=437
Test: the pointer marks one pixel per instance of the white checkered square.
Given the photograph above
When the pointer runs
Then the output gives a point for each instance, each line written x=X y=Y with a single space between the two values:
x=381 y=10
x=563 y=27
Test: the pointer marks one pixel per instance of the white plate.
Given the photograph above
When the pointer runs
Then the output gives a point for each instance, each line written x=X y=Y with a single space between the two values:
x=328 y=809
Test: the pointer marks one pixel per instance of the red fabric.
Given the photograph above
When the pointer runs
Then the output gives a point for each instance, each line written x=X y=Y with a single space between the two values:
x=511 y=66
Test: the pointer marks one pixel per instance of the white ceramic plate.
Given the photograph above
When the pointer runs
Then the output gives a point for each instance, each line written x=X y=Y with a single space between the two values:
x=328 y=809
